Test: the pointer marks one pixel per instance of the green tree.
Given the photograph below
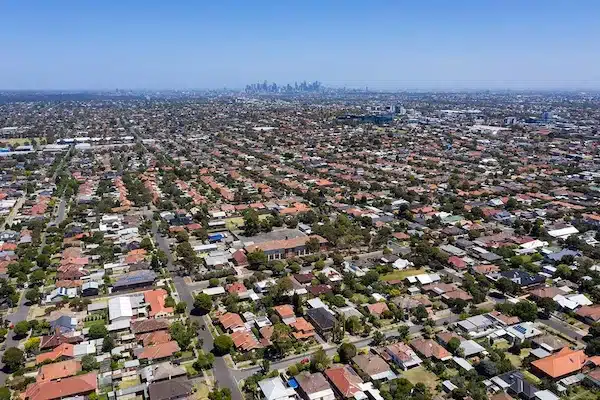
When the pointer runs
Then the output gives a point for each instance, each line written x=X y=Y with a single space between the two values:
x=378 y=338
x=220 y=394
x=182 y=236
x=453 y=345
x=5 y=393
x=320 y=361
x=404 y=331
x=43 y=261
x=223 y=344
x=257 y=259
x=213 y=282
x=313 y=245
x=108 y=343
x=21 y=328
x=13 y=358
x=146 y=244
x=89 y=363
x=526 y=310
x=347 y=351
x=98 y=331
x=420 y=313
x=252 y=224
x=33 y=295
x=353 y=325
x=203 y=303
x=32 y=345
x=182 y=334
x=204 y=361
x=181 y=307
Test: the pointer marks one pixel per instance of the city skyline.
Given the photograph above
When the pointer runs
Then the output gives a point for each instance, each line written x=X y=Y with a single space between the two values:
x=382 y=45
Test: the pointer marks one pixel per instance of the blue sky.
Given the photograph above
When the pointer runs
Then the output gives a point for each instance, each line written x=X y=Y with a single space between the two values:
x=415 y=44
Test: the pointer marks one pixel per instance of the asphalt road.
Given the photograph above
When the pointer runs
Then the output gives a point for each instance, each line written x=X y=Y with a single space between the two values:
x=563 y=328
x=62 y=209
x=223 y=375
x=19 y=315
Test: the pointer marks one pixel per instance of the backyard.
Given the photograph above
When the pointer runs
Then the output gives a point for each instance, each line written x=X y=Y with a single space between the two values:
x=420 y=374
x=401 y=275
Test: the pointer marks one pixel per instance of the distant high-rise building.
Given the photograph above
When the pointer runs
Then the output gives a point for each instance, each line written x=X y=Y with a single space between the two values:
x=546 y=116
x=510 y=120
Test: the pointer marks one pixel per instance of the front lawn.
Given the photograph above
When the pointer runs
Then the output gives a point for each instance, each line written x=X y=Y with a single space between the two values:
x=401 y=275
x=421 y=375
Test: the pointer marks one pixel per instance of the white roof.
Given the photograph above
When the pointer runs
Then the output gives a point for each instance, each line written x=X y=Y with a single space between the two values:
x=564 y=302
x=464 y=364
x=214 y=291
x=563 y=232
x=545 y=395
x=471 y=347
x=580 y=299
x=534 y=244
x=119 y=325
x=274 y=389
x=119 y=307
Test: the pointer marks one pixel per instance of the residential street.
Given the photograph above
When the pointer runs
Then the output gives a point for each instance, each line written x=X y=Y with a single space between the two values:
x=563 y=328
x=19 y=315
x=223 y=375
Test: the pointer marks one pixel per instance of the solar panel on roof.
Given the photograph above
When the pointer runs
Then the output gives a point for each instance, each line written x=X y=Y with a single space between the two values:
x=520 y=329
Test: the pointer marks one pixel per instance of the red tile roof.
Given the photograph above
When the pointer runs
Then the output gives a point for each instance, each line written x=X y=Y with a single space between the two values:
x=237 y=288
x=231 y=321
x=244 y=340
x=377 y=308
x=64 y=350
x=565 y=362
x=284 y=244
x=156 y=337
x=59 y=370
x=429 y=348
x=158 y=351
x=156 y=299
x=75 y=385
x=285 y=311
x=345 y=379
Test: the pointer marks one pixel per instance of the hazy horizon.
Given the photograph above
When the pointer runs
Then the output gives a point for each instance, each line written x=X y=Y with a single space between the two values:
x=383 y=45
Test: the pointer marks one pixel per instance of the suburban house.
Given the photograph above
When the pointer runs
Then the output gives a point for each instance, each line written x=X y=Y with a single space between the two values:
x=171 y=389
x=345 y=380
x=322 y=320
x=349 y=385
x=275 y=389
x=314 y=387
x=429 y=348
x=373 y=367
x=156 y=301
x=564 y=363
x=402 y=355
x=286 y=313
x=287 y=248
x=80 y=385
x=231 y=322
x=158 y=351
x=58 y=371
x=590 y=314
x=302 y=329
